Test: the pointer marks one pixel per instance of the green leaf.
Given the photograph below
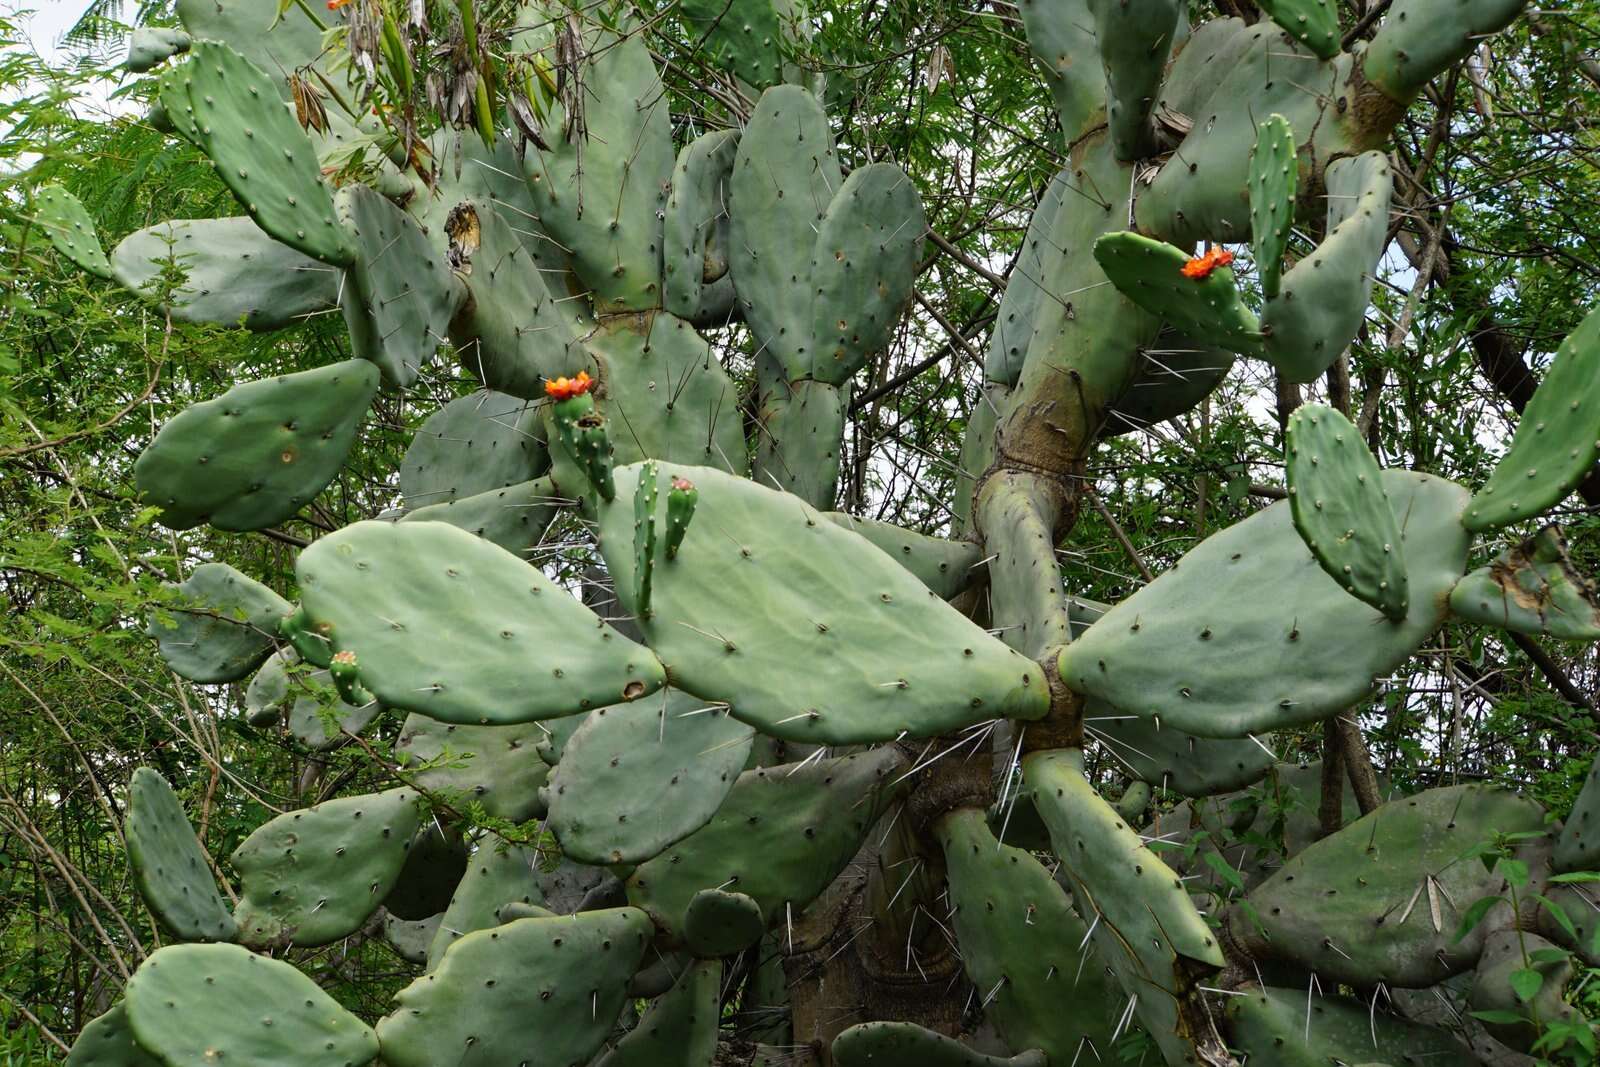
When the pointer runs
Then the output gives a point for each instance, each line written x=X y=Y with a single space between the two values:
x=1526 y=983
x=1573 y=877
x=1498 y=1015
x=1559 y=914
x=1515 y=871
x=1215 y=861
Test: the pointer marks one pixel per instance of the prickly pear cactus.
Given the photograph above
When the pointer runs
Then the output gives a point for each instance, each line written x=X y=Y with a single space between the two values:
x=661 y=787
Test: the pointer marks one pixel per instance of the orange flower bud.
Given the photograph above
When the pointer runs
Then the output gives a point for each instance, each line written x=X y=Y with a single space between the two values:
x=567 y=388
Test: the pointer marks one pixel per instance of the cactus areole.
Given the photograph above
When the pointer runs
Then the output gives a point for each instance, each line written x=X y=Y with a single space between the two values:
x=737 y=747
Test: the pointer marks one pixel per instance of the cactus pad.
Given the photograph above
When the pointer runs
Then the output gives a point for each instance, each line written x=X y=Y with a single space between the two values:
x=743 y=37
x=564 y=979
x=1167 y=757
x=374 y=588
x=256 y=1010
x=1314 y=23
x=889 y=1044
x=474 y=444
x=946 y=567
x=258 y=453
x=410 y=938
x=1383 y=899
x=108 y=1042
x=1532 y=588
x=1556 y=441
x=497 y=876
x=695 y=279
x=233 y=273
x=1152 y=275
x=1305 y=653
x=1341 y=509
x=636 y=778
x=1289 y=1028
x=1024 y=948
x=318 y=705
x=1274 y=175
x=680 y=1029
x=764 y=589
x=515 y=518
x=1134 y=37
x=169 y=865
x=780 y=837
x=68 y=225
x=222 y=627
x=495 y=766
x=313 y=876
x=720 y=923
x=262 y=154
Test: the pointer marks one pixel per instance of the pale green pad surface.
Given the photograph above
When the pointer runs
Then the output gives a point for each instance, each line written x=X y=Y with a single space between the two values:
x=680 y=1029
x=1556 y=441
x=496 y=766
x=1146 y=927
x=222 y=628
x=169 y=866
x=719 y=923
x=276 y=45
x=256 y=1011
x=398 y=296
x=1358 y=906
x=889 y=1044
x=944 y=566
x=1134 y=38
x=764 y=591
x=108 y=1042
x=1341 y=508
x=258 y=453
x=1274 y=176
x=149 y=46
x=522 y=648
x=411 y=938
x=1578 y=847
x=1314 y=23
x=497 y=876
x=636 y=778
x=1022 y=942
x=1531 y=588
x=1273 y=1025
x=68 y=225
x=472 y=445
x=1013 y=326
x=1167 y=757
x=743 y=37
x=261 y=152
x=307 y=720
x=540 y=992
x=695 y=230
x=515 y=518
x=780 y=838
x=313 y=876
x=1308 y=651
x=233 y=273
x=1323 y=299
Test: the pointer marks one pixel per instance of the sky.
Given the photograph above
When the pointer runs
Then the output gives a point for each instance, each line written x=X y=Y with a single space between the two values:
x=49 y=20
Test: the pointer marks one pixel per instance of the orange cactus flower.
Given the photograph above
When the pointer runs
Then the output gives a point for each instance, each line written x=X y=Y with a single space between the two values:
x=334 y=5
x=1201 y=266
x=567 y=388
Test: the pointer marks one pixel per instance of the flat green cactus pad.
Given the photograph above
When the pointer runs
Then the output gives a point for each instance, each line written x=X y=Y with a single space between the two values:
x=433 y=868
x=944 y=566
x=1556 y=441
x=764 y=591
x=636 y=778
x=1023 y=947
x=108 y=1042
x=1531 y=588
x=1274 y=177
x=262 y=154
x=1505 y=953
x=411 y=938
x=474 y=444
x=399 y=295
x=696 y=284
x=1322 y=300
x=720 y=923
x=1146 y=927
x=258 y=453
x=515 y=518
x=256 y=1010
x=1307 y=652
x=743 y=37
x=150 y=46
x=1578 y=847
x=169 y=866
x=780 y=837
x=1287 y=1028
x=320 y=719
x=1175 y=374
x=680 y=1029
x=888 y=1044
x=562 y=979
x=68 y=225
x=1013 y=325
x=495 y=766
x=1342 y=511
x=1314 y=23
x=313 y=876
x=863 y=265
x=276 y=44
x=1384 y=897
x=1420 y=38
x=1134 y=39
x=1151 y=274
x=497 y=876
x=233 y=273
x=222 y=627
x=1167 y=757
x=376 y=587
